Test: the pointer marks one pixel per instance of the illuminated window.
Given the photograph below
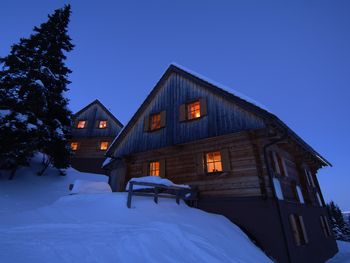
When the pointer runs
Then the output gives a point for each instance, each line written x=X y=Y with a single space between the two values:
x=193 y=110
x=81 y=124
x=103 y=146
x=154 y=168
x=213 y=161
x=102 y=125
x=74 y=146
x=155 y=121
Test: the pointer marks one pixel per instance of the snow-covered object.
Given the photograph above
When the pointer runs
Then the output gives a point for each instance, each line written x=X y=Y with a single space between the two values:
x=90 y=187
x=100 y=228
x=154 y=180
x=107 y=161
x=343 y=256
x=30 y=191
x=4 y=113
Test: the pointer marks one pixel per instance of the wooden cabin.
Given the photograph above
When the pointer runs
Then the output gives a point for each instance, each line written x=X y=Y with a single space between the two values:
x=247 y=164
x=94 y=129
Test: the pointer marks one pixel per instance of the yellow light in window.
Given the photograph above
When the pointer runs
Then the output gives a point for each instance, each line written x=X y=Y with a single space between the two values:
x=102 y=124
x=213 y=160
x=155 y=121
x=154 y=168
x=193 y=110
x=103 y=146
x=74 y=146
x=81 y=124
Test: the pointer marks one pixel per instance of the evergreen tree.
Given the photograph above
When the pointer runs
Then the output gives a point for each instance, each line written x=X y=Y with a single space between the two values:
x=32 y=84
x=340 y=229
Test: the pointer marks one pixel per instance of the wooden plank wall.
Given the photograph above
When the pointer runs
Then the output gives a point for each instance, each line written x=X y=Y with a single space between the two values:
x=89 y=147
x=223 y=117
x=181 y=166
x=93 y=114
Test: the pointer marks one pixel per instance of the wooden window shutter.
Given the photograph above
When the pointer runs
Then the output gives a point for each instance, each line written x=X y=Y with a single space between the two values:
x=97 y=123
x=76 y=123
x=307 y=176
x=203 y=106
x=323 y=226
x=327 y=225
x=303 y=229
x=162 y=168
x=200 y=163
x=284 y=167
x=146 y=124
x=145 y=168
x=163 y=119
x=182 y=112
x=225 y=160
x=275 y=161
x=295 y=229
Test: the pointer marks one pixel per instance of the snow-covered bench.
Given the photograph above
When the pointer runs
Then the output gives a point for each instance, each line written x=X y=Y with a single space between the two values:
x=164 y=188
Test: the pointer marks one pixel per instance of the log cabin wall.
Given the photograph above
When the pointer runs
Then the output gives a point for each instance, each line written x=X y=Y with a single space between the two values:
x=182 y=164
x=222 y=117
x=88 y=157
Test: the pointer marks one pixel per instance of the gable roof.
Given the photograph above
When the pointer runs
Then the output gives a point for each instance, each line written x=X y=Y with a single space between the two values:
x=239 y=99
x=103 y=108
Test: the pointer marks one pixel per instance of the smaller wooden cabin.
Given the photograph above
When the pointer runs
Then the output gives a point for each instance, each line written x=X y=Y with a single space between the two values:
x=94 y=129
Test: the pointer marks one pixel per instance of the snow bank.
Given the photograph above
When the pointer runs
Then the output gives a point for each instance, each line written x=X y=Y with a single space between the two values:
x=100 y=228
x=89 y=187
x=28 y=191
x=154 y=180
x=343 y=256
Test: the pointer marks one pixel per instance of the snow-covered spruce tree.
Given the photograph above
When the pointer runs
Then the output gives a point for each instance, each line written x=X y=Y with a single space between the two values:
x=33 y=81
x=339 y=227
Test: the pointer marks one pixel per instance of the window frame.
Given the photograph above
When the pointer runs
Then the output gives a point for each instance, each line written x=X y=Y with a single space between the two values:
x=206 y=162
x=85 y=124
x=100 y=145
x=77 y=143
x=99 y=123
x=150 y=129
x=298 y=230
x=188 y=104
x=151 y=170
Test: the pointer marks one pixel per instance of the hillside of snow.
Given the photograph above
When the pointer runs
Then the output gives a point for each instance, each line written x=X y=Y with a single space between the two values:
x=41 y=222
x=28 y=191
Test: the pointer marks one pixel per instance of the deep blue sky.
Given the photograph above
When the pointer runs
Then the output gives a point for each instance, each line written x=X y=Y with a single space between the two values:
x=292 y=56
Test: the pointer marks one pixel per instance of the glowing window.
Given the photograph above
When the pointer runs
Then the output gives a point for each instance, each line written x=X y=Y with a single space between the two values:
x=74 y=146
x=103 y=146
x=81 y=124
x=102 y=125
x=154 y=168
x=193 y=110
x=213 y=161
x=155 y=122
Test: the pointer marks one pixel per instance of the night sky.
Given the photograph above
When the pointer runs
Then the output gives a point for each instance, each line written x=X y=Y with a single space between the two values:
x=292 y=56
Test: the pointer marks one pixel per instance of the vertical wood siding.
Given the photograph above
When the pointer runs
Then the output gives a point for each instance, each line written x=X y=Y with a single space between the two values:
x=92 y=115
x=223 y=117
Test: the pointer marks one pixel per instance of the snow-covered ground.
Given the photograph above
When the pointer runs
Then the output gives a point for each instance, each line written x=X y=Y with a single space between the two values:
x=41 y=222
x=343 y=256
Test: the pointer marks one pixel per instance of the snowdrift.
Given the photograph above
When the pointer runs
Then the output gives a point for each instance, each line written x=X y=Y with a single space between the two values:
x=99 y=228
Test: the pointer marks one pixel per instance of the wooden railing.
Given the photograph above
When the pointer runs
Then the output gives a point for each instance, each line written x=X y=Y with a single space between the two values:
x=159 y=190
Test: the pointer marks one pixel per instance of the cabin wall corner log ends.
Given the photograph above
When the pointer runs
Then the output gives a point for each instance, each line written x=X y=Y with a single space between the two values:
x=247 y=164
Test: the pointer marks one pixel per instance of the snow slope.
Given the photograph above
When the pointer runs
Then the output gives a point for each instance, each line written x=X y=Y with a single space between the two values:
x=40 y=222
x=100 y=228
x=28 y=191
x=343 y=256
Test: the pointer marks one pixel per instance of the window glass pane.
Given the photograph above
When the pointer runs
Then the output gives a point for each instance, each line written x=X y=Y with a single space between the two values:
x=300 y=195
x=154 y=168
x=278 y=188
x=102 y=124
x=103 y=146
x=193 y=110
x=74 y=146
x=213 y=161
x=81 y=124
x=155 y=121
